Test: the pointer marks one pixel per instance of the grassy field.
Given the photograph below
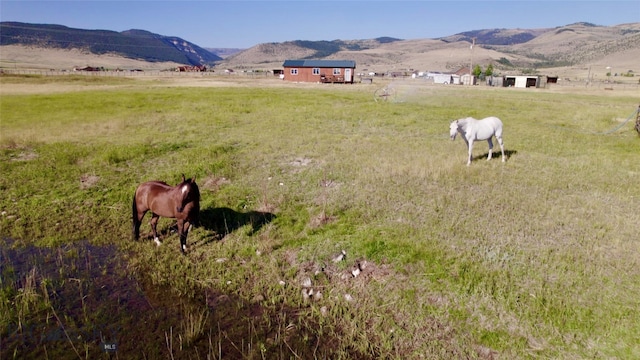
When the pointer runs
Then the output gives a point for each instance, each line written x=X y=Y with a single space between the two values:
x=537 y=257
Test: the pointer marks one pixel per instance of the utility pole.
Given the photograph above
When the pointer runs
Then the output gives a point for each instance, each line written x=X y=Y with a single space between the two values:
x=473 y=43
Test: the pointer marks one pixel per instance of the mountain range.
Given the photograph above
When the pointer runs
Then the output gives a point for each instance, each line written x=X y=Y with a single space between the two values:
x=135 y=44
x=579 y=45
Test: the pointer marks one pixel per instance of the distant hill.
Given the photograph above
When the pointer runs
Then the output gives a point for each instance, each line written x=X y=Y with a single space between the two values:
x=581 y=43
x=274 y=53
x=224 y=52
x=133 y=44
x=577 y=50
x=578 y=45
x=496 y=36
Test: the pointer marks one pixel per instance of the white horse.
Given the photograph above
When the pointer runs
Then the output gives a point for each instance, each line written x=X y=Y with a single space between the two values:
x=475 y=130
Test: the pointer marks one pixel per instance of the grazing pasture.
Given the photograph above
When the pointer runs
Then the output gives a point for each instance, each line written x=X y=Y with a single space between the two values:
x=537 y=257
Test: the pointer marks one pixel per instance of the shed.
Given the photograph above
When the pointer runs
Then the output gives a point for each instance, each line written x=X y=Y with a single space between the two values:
x=439 y=78
x=324 y=71
x=468 y=79
x=522 y=81
x=497 y=81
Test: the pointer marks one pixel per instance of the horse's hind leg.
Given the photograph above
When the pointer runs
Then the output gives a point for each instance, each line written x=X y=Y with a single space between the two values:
x=501 y=146
x=137 y=222
x=136 y=226
x=490 y=149
x=154 y=224
x=136 y=219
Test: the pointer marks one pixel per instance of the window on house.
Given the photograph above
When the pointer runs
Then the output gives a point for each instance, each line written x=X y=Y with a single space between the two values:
x=294 y=71
x=316 y=71
x=336 y=71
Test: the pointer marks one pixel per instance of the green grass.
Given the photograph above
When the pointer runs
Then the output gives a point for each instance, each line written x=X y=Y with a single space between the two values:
x=532 y=258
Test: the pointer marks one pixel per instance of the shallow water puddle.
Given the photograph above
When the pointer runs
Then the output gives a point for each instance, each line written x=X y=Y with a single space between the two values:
x=78 y=300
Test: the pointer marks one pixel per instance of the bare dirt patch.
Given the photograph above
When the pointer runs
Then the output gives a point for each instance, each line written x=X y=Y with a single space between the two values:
x=26 y=155
x=213 y=183
x=321 y=220
x=88 y=181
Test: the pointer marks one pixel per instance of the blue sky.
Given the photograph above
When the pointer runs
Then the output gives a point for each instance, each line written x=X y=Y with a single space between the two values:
x=243 y=24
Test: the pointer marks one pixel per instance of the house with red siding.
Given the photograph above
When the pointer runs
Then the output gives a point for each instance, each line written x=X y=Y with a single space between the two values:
x=320 y=71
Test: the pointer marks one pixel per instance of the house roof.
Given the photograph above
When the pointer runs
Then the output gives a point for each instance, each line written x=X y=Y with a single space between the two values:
x=463 y=71
x=320 y=63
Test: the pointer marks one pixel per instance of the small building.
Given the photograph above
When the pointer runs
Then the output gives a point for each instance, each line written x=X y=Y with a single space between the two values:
x=447 y=79
x=88 y=68
x=497 y=81
x=320 y=71
x=468 y=79
x=522 y=81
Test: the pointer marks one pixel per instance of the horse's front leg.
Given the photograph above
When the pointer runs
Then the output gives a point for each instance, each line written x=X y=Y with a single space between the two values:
x=183 y=230
x=490 y=149
x=470 y=146
x=154 y=224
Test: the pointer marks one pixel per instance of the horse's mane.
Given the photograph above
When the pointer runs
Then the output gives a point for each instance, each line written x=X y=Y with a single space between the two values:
x=196 y=189
x=462 y=123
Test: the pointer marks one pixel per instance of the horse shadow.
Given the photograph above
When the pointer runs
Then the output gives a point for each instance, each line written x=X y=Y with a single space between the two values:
x=496 y=155
x=223 y=221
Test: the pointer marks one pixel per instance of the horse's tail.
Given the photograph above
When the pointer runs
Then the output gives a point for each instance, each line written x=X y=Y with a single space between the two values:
x=134 y=217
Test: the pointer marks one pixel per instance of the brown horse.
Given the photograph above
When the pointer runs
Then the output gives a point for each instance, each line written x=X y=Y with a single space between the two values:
x=181 y=202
